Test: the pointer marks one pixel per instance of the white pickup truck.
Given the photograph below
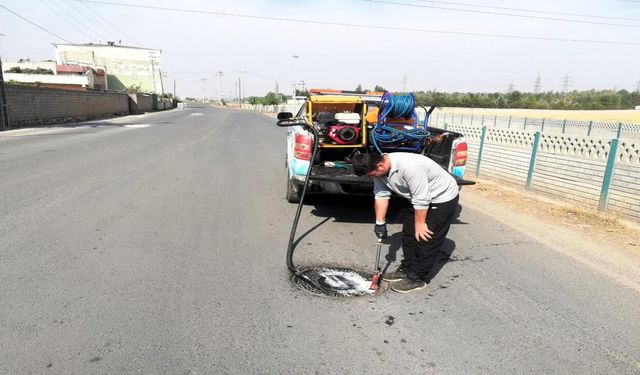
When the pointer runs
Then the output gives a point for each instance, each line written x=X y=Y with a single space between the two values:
x=345 y=122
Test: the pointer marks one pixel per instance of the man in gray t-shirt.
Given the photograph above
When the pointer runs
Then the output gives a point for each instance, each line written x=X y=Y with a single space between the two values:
x=433 y=193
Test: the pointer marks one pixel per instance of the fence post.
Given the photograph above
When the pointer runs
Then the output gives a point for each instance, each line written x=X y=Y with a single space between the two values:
x=564 y=125
x=445 y=125
x=525 y=124
x=482 y=138
x=532 y=161
x=482 y=122
x=542 y=128
x=619 y=130
x=608 y=175
x=589 y=129
x=495 y=121
x=472 y=119
x=509 y=126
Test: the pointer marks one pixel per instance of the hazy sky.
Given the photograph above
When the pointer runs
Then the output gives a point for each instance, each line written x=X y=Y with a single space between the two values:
x=196 y=45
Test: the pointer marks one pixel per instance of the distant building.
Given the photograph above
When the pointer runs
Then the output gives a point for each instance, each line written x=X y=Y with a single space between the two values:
x=125 y=66
x=50 y=74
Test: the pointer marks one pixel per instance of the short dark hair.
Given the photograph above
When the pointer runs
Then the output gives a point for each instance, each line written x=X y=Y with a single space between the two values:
x=365 y=163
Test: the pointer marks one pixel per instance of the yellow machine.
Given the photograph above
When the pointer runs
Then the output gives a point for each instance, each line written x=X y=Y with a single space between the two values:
x=341 y=118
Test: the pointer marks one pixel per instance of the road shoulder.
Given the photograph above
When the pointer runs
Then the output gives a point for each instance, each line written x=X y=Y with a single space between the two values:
x=599 y=241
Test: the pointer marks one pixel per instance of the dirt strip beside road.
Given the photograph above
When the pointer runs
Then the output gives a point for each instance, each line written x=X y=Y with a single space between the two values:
x=600 y=241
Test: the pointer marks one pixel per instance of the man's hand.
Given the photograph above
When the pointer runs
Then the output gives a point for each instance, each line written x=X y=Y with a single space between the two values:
x=423 y=232
x=380 y=230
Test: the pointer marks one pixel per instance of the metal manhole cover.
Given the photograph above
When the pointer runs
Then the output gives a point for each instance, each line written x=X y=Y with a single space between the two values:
x=337 y=282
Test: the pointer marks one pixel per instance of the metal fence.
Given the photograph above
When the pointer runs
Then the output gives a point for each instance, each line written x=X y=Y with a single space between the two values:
x=543 y=125
x=293 y=108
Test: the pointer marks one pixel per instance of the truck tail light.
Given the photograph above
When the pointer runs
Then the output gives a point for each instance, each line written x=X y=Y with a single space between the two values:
x=302 y=147
x=460 y=155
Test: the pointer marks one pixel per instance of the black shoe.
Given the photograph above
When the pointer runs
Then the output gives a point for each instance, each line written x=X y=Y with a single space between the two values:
x=396 y=275
x=407 y=285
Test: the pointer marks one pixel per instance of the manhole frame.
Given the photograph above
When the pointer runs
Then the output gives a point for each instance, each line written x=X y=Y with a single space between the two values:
x=304 y=285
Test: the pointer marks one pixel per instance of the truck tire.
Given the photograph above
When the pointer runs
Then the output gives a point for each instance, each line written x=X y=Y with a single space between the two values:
x=293 y=196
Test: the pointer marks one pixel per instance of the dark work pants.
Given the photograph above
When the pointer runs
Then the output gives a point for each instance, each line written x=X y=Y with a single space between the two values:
x=419 y=255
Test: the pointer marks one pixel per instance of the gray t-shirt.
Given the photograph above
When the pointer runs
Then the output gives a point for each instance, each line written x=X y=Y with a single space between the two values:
x=417 y=178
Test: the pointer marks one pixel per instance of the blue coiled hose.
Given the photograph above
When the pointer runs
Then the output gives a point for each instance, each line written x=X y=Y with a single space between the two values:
x=384 y=135
x=396 y=106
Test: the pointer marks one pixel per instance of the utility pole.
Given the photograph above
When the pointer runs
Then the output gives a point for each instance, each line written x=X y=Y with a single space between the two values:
x=235 y=90
x=240 y=91
x=152 y=57
x=174 y=89
x=204 y=81
x=161 y=81
x=638 y=88
x=4 y=112
x=295 y=84
x=536 y=87
x=510 y=88
x=219 y=74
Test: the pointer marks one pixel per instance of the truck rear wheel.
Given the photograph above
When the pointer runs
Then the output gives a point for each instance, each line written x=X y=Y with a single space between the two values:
x=293 y=196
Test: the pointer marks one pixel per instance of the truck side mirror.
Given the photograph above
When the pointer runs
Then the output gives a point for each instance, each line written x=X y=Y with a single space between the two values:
x=285 y=119
x=285 y=116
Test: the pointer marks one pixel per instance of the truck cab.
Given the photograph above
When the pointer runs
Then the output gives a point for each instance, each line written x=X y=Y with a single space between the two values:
x=349 y=123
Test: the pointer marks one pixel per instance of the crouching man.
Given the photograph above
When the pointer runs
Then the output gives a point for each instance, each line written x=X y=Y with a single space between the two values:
x=433 y=193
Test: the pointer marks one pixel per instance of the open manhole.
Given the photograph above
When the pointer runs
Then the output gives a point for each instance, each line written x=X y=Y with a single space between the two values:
x=337 y=282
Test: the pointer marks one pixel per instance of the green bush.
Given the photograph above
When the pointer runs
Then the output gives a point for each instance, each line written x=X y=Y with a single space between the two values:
x=17 y=69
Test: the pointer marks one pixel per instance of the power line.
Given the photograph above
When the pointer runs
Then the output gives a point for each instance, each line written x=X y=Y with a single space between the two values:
x=34 y=24
x=530 y=10
x=362 y=26
x=501 y=13
x=61 y=16
x=90 y=18
x=74 y=19
x=81 y=19
x=108 y=23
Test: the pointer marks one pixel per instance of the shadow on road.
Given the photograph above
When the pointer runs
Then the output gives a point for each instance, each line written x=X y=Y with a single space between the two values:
x=352 y=209
x=456 y=218
x=441 y=258
x=436 y=260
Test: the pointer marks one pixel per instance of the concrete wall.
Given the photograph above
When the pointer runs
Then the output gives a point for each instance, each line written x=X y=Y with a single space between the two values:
x=624 y=195
x=569 y=178
x=141 y=103
x=33 y=106
x=41 y=106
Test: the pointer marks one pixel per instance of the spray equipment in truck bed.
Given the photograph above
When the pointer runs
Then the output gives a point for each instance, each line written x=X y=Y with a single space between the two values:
x=398 y=127
x=339 y=120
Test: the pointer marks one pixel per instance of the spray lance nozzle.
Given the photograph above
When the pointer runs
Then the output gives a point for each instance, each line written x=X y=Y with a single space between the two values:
x=375 y=279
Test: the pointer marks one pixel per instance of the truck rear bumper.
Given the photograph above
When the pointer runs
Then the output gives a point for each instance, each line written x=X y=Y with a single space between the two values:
x=345 y=184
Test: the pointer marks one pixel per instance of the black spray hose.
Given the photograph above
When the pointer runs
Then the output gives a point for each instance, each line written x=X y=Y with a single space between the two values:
x=291 y=246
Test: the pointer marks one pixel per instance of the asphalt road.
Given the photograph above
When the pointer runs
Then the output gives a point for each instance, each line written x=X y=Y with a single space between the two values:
x=159 y=248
